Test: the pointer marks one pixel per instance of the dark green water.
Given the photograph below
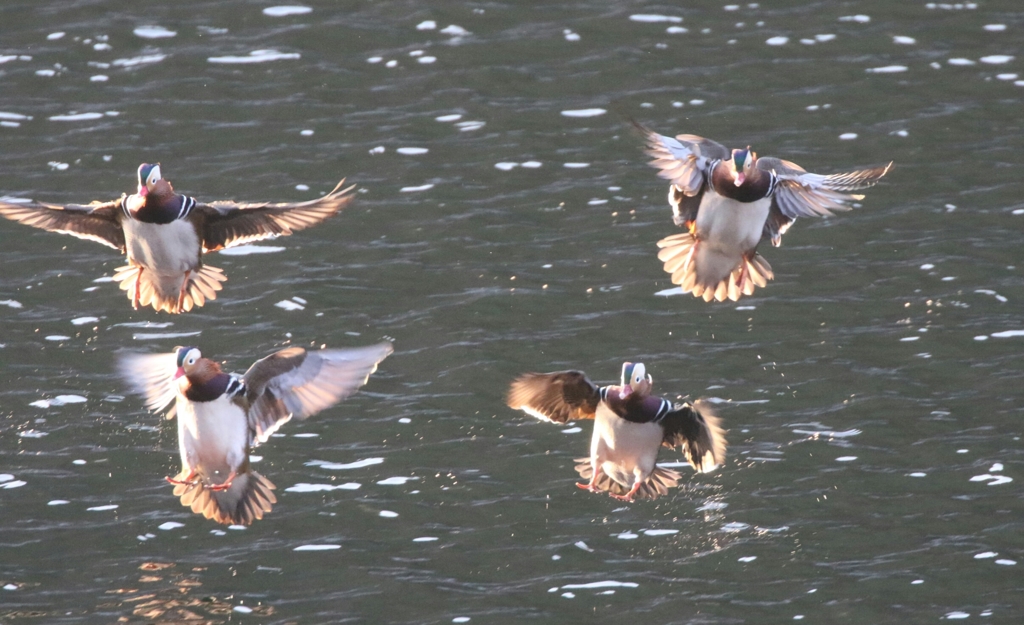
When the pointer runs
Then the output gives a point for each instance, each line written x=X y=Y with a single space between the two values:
x=859 y=395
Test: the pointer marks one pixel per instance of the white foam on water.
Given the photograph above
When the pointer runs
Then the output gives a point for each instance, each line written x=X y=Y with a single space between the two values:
x=531 y=164
x=170 y=525
x=396 y=481
x=238 y=528
x=676 y=290
x=470 y=125
x=380 y=149
x=392 y=63
x=138 y=60
x=334 y=466
x=777 y=41
x=506 y=165
x=603 y=584
x=246 y=250
x=917 y=474
x=425 y=539
x=388 y=514
x=996 y=59
x=660 y=532
x=454 y=117
x=582 y=545
x=887 y=69
x=76 y=117
x=908 y=339
x=17 y=116
x=573 y=430
x=676 y=30
x=14 y=484
x=993 y=480
x=747 y=559
x=824 y=38
x=79 y=462
x=994 y=28
x=985 y=555
x=713 y=505
x=316 y=547
x=256 y=56
x=426 y=25
x=405 y=420
x=957 y=615
x=996 y=467
x=303 y=487
x=826 y=433
x=143 y=324
x=454 y=30
x=1005 y=562
x=1006 y=76
x=412 y=151
x=575 y=165
x=288 y=304
x=731 y=7
x=860 y=19
x=305 y=435
x=99 y=78
x=626 y=536
x=58 y=502
x=847 y=136
x=241 y=609
x=298 y=187
x=1007 y=334
x=584 y=112
x=426 y=60
x=422 y=187
x=460 y=619
x=81 y=321
x=653 y=18
x=960 y=61
x=153 y=32
x=102 y=508
x=903 y=40
x=846 y=458
x=570 y=36
x=306 y=133
x=54 y=36
x=285 y=10
x=151 y=336
x=45 y=72
x=927 y=266
x=735 y=527
x=597 y=202
x=58 y=166
x=375 y=59
x=568 y=595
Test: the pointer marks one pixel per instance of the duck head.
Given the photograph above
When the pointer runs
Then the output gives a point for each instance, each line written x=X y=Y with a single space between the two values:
x=634 y=380
x=150 y=179
x=193 y=367
x=741 y=166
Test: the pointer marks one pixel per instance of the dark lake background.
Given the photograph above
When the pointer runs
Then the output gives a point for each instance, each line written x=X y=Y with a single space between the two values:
x=872 y=392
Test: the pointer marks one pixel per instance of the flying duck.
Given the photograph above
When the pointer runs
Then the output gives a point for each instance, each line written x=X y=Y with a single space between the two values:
x=165 y=234
x=728 y=201
x=222 y=415
x=630 y=425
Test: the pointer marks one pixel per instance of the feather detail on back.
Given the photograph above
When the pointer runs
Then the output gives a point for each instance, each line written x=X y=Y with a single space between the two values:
x=696 y=429
x=556 y=397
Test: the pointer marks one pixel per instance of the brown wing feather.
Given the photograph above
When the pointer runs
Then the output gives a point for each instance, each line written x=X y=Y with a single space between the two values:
x=296 y=383
x=696 y=429
x=559 y=397
x=99 y=221
x=226 y=224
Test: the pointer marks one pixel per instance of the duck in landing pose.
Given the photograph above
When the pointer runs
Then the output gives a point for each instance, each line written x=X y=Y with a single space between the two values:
x=165 y=234
x=728 y=201
x=221 y=415
x=630 y=425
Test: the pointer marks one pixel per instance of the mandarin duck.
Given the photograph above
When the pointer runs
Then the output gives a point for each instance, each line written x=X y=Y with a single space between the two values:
x=728 y=201
x=221 y=416
x=165 y=234
x=630 y=425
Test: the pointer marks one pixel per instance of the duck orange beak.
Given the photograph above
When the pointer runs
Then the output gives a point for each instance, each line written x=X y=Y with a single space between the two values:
x=180 y=372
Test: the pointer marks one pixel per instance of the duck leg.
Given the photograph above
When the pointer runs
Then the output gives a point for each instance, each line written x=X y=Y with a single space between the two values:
x=138 y=289
x=184 y=289
x=592 y=486
x=226 y=484
x=628 y=497
x=189 y=480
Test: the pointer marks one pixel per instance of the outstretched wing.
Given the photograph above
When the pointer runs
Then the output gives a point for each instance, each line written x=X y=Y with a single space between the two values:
x=557 y=397
x=695 y=428
x=685 y=160
x=799 y=193
x=226 y=224
x=99 y=221
x=152 y=376
x=296 y=383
